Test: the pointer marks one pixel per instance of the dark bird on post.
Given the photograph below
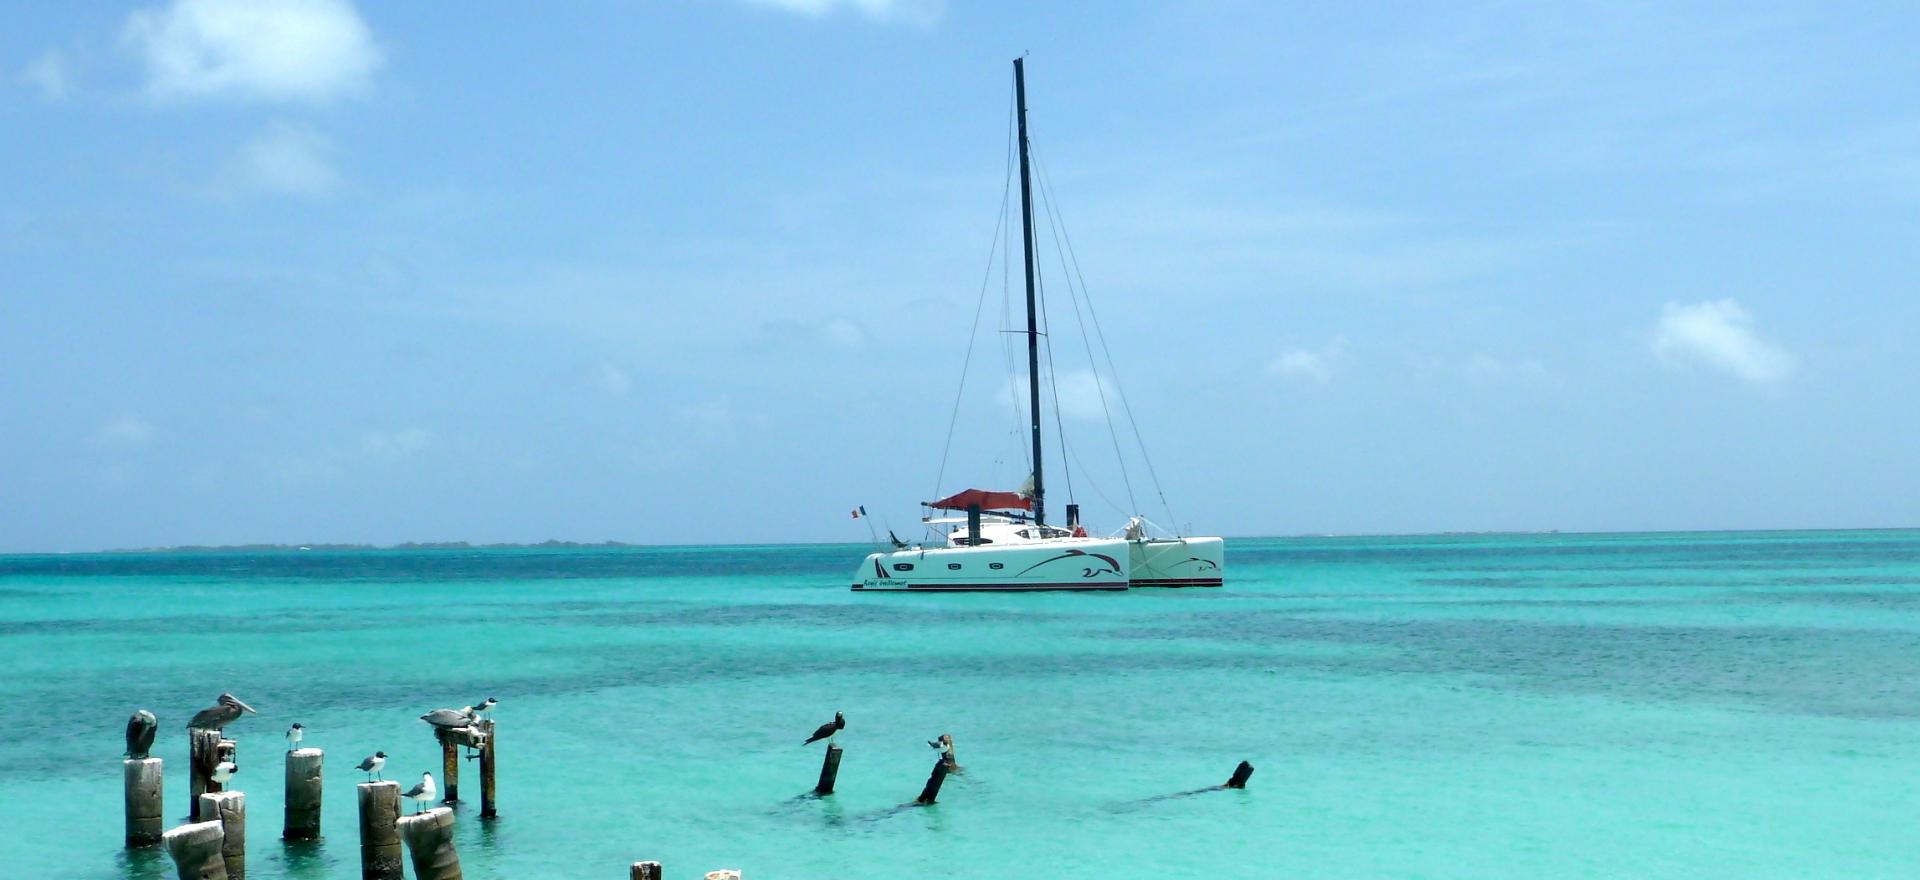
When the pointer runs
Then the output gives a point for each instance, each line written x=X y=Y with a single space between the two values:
x=826 y=731
x=219 y=715
x=421 y=793
x=295 y=734
x=448 y=719
x=371 y=765
x=140 y=730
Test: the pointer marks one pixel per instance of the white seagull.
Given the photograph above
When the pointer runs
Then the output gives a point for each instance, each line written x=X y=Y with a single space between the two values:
x=294 y=735
x=422 y=793
x=224 y=771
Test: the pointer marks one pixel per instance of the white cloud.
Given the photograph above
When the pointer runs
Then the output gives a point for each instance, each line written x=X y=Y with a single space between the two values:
x=126 y=430
x=609 y=378
x=52 y=74
x=1719 y=334
x=284 y=159
x=393 y=444
x=918 y=12
x=271 y=50
x=1311 y=364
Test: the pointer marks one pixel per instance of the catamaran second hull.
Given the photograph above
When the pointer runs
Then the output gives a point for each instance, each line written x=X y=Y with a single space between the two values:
x=1062 y=564
x=1177 y=562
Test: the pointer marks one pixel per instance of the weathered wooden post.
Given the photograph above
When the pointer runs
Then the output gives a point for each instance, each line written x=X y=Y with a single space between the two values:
x=206 y=749
x=229 y=808
x=1240 y=775
x=304 y=773
x=429 y=838
x=932 y=790
x=196 y=851
x=724 y=874
x=829 y=770
x=379 y=831
x=644 y=871
x=488 y=804
x=145 y=821
x=449 y=764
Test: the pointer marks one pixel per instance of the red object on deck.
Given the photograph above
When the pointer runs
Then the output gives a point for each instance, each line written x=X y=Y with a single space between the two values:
x=986 y=498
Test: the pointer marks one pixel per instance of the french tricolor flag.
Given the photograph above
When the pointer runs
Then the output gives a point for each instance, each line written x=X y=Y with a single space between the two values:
x=860 y=511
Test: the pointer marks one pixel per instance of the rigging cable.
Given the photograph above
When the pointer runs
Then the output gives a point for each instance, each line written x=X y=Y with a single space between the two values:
x=1119 y=390
x=1054 y=222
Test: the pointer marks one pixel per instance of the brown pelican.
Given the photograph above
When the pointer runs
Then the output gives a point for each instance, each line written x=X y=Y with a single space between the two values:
x=421 y=793
x=219 y=715
x=140 y=730
x=371 y=765
x=449 y=719
x=295 y=734
x=827 y=730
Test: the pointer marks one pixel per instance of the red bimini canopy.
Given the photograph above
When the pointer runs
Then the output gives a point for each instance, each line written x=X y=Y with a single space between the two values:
x=987 y=499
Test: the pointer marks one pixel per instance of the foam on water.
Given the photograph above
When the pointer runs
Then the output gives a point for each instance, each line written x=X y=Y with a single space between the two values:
x=1488 y=706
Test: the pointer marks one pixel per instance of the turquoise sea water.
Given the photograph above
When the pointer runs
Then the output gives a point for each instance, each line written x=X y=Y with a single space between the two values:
x=1672 y=705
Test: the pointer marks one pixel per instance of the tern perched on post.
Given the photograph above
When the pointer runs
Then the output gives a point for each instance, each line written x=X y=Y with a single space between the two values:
x=827 y=730
x=422 y=793
x=484 y=708
x=218 y=715
x=295 y=734
x=371 y=765
x=140 y=731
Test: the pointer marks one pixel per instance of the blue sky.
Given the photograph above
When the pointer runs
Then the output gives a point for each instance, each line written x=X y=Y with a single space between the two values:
x=702 y=271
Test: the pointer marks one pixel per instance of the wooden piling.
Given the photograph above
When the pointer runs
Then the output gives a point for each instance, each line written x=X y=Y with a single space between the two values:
x=488 y=805
x=195 y=850
x=932 y=790
x=429 y=838
x=304 y=773
x=449 y=766
x=145 y=821
x=206 y=749
x=229 y=808
x=380 y=856
x=724 y=874
x=645 y=871
x=829 y=770
x=1240 y=775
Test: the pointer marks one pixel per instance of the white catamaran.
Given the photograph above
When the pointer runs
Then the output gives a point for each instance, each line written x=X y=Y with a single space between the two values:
x=1001 y=540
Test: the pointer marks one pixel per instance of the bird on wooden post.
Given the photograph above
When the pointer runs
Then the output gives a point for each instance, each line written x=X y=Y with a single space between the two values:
x=295 y=734
x=224 y=771
x=371 y=765
x=422 y=793
x=219 y=715
x=140 y=732
x=484 y=708
x=446 y=721
x=828 y=730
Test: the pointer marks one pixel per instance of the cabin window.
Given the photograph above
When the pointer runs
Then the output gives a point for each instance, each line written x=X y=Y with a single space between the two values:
x=903 y=566
x=1025 y=533
x=953 y=566
x=996 y=566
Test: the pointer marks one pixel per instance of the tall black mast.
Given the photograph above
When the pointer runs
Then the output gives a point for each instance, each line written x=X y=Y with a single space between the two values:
x=1033 y=320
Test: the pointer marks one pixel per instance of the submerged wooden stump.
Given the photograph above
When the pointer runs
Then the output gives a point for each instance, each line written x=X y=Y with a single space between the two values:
x=145 y=821
x=645 y=871
x=724 y=874
x=429 y=838
x=932 y=790
x=195 y=850
x=829 y=770
x=1241 y=774
x=229 y=808
x=380 y=856
x=304 y=774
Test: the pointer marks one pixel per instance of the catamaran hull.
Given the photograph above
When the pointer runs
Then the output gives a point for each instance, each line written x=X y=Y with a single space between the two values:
x=1177 y=562
x=1072 y=564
